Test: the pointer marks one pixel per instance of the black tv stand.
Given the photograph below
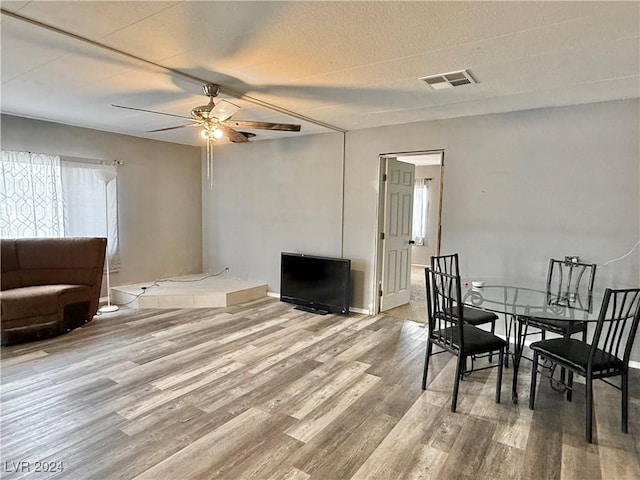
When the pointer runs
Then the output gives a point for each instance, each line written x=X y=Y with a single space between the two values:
x=317 y=311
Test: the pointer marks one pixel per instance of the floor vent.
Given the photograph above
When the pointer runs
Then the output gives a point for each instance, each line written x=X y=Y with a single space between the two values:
x=448 y=80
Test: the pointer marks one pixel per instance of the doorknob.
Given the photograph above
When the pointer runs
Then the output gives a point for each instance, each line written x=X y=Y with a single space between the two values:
x=412 y=242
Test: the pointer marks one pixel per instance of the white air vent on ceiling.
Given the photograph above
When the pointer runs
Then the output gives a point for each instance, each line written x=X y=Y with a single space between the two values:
x=448 y=80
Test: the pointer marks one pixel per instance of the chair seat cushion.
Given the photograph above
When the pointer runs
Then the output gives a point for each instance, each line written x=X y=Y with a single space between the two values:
x=575 y=354
x=562 y=327
x=475 y=316
x=475 y=340
x=472 y=316
x=40 y=300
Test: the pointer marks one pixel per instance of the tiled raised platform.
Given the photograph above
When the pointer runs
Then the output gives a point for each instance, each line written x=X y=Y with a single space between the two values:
x=191 y=291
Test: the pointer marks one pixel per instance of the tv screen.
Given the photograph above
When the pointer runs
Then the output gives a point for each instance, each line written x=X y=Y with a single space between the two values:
x=318 y=284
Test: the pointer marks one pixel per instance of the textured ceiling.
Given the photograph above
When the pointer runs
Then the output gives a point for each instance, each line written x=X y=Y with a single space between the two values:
x=349 y=65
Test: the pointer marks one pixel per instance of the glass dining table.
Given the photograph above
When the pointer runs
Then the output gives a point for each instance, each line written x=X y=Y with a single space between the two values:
x=521 y=300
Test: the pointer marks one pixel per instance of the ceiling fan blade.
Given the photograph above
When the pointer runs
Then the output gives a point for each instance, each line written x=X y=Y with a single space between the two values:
x=288 y=127
x=223 y=110
x=234 y=136
x=149 y=111
x=173 y=128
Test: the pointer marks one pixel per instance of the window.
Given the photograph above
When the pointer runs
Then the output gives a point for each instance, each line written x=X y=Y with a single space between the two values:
x=421 y=211
x=51 y=196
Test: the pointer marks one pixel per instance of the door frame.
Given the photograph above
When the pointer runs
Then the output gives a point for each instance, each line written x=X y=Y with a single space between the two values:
x=378 y=265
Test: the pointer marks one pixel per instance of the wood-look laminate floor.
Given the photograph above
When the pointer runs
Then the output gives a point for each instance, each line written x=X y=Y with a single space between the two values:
x=263 y=391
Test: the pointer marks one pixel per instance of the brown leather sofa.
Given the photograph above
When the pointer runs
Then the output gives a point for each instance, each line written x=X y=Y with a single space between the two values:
x=49 y=286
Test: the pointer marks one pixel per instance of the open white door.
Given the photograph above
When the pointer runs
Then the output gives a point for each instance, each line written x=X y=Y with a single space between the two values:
x=398 y=211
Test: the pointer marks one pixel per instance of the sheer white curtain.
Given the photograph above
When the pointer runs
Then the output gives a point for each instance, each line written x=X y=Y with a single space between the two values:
x=49 y=196
x=421 y=211
x=30 y=195
x=84 y=205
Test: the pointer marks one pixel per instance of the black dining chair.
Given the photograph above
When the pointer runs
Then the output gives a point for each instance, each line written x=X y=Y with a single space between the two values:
x=474 y=316
x=606 y=356
x=569 y=284
x=445 y=330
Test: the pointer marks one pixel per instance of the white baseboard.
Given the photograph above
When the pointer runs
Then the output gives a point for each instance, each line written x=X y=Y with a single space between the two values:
x=359 y=310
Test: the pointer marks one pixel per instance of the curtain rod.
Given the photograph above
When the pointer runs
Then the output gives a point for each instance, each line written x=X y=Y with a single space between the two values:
x=91 y=161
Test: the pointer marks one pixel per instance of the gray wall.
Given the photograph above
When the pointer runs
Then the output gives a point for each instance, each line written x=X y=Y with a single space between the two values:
x=518 y=188
x=272 y=196
x=159 y=200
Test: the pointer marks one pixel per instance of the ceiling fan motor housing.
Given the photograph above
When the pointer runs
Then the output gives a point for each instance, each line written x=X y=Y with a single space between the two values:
x=211 y=89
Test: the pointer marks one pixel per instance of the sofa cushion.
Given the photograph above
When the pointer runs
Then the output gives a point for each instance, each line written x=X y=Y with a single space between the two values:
x=47 y=261
x=25 y=329
x=44 y=300
x=69 y=252
x=10 y=277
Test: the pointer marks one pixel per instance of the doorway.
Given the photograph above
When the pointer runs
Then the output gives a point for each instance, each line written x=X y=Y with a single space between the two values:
x=425 y=234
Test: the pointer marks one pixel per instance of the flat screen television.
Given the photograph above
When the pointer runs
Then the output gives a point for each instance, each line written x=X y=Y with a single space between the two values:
x=316 y=284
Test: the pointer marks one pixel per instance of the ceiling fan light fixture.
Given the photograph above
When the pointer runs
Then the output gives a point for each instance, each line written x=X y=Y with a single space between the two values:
x=211 y=133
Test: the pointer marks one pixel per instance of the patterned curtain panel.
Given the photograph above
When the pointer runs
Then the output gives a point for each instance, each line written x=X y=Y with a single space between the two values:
x=30 y=195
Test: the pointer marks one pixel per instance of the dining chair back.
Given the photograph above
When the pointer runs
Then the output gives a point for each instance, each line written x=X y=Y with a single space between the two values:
x=448 y=264
x=616 y=329
x=606 y=356
x=444 y=311
x=570 y=283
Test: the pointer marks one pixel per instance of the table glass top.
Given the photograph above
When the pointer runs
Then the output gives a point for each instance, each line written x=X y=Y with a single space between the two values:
x=527 y=298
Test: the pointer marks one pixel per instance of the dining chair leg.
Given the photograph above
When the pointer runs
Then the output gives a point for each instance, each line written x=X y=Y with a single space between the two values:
x=493 y=331
x=589 y=409
x=499 y=380
x=459 y=370
x=625 y=400
x=570 y=386
x=534 y=375
x=509 y=325
x=563 y=371
x=426 y=364
x=493 y=328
